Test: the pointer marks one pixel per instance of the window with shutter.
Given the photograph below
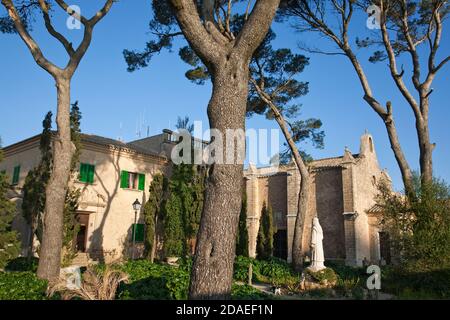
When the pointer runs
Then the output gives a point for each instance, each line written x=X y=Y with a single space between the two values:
x=16 y=175
x=91 y=173
x=132 y=180
x=139 y=235
x=124 y=180
x=83 y=172
x=141 y=181
x=87 y=172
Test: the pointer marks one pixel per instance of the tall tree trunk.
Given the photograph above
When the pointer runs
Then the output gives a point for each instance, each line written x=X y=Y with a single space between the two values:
x=403 y=164
x=33 y=228
x=423 y=134
x=303 y=196
x=212 y=271
x=63 y=150
x=155 y=239
x=388 y=119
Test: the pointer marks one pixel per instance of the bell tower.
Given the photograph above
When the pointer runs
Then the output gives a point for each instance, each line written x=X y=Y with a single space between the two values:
x=366 y=147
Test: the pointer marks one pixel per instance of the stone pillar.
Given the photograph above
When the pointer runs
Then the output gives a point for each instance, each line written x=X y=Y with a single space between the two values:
x=349 y=208
x=253 y=210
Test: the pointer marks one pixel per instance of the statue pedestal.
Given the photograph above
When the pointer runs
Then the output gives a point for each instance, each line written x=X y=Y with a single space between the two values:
x=316 y=266
x=321 y=279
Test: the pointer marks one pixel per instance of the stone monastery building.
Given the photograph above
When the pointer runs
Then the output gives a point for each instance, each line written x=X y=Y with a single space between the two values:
x=113 y=174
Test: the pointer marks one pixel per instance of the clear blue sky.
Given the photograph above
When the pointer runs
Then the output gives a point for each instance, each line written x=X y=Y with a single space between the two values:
x=112 y=100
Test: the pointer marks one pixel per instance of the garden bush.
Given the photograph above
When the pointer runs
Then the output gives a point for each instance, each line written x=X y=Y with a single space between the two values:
x=246 y=292
x=416 y=285
x=272 y=270
x=22 y=286
x=23 y=264
x=154 y=281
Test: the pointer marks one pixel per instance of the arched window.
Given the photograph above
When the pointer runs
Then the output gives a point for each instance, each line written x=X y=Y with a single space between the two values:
x=370 y=144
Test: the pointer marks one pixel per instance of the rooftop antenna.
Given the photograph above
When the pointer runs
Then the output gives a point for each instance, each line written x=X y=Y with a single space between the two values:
x=120 y=132
x=138 y=131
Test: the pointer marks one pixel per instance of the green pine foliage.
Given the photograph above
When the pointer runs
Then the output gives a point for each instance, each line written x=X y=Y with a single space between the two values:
x=152 y=211
x=264 y=247
x=242 y=236
x=183 y=207
x=173 y=227
x=176 y=202
x=419 y=226
x=75 y=130
x=33 y=204
x=9 y=243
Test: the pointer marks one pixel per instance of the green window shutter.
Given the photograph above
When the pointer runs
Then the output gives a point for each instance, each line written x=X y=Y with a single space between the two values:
x=83 y=172
x=141 y=181
x=91 y=173
x=139 y=236
x=16 y=175
x=124 y=180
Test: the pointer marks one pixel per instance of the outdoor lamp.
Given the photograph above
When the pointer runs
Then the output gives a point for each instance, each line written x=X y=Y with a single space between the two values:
x=136 y=205
x=137 y=208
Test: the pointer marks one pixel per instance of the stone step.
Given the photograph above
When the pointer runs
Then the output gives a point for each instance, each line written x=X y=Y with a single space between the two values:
x=82 y=260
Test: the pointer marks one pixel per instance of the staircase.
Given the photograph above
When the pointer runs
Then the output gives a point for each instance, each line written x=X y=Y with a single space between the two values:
x=82 y=259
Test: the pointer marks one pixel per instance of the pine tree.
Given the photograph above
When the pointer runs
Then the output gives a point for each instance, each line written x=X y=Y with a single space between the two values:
x=152 y=212
x=174 y=238
x=33 y=203
x=9 y=243
x=36 y=181
x=71 y=225
x=242 y=238
x=264 y=247
x=75 y=132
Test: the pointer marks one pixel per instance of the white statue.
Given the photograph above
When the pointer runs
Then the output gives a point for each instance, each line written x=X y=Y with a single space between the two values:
x=317 y=255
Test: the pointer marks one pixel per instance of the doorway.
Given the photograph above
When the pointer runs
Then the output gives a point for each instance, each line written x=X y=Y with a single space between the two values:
x=385 y=247
x=81 y=237
x=280 y=244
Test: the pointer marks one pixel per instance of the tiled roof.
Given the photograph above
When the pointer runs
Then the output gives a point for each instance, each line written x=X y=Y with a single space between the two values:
x=329 y=162
x=107 y=142
x=376 y=208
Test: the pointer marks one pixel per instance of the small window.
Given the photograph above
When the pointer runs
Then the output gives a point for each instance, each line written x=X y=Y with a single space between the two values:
x=371 y=144
x=374 y=180
x=87 y=172
x=16 y=175
x=139 y=235
x=132 y=180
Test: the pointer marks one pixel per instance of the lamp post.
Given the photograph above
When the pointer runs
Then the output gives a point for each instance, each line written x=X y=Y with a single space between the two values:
x=137 y=208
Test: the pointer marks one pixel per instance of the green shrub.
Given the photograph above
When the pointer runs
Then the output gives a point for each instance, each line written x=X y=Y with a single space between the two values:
x=416 y=285
x=154 y=281
x=246 y=292
x=419 y=225
x=22 y=286
x=241 y=264
x=23 y=264
x=326 y=274
x=272 y=270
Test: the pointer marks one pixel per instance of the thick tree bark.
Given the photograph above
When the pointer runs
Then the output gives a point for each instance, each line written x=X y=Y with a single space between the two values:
x=63 y=150
x=212 y=272
x=227 y=59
